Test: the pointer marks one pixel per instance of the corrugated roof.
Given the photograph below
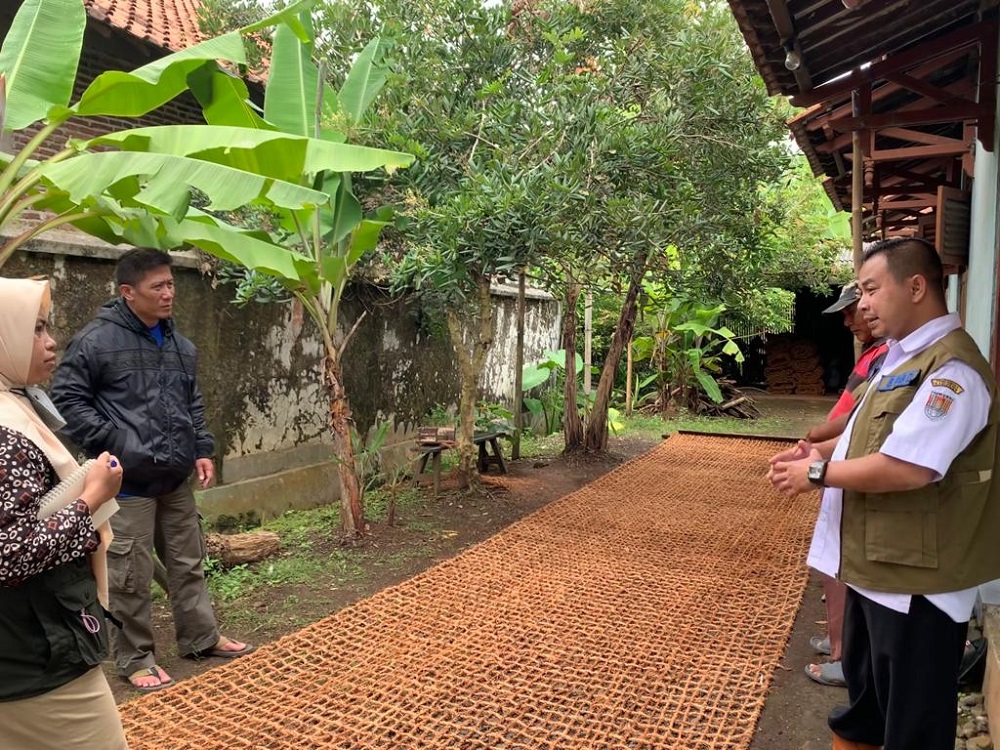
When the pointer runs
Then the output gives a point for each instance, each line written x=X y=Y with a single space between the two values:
x=171 y=24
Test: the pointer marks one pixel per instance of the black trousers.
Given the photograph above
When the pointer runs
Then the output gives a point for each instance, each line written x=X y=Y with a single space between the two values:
x=902 y=675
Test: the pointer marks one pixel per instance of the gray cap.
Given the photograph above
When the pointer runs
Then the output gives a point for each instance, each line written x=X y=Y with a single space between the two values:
x=849 y=295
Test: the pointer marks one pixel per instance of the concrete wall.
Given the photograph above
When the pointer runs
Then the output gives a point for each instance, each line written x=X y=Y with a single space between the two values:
x=259 y=369
x=981 y=277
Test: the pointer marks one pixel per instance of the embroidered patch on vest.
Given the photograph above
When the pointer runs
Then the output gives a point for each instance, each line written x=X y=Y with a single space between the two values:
x=892 y=382
x=951 y=385
x=937 y=405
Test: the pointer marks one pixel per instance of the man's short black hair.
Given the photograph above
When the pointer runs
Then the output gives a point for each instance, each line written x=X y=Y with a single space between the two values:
x=134 y=264
x=910 y=256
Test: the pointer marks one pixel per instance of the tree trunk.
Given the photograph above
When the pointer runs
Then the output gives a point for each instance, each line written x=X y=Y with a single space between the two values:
x=572 y=424
x=628 y=380
x=352 y=514
x=470 y=361
x=597 y=429
x=237 y=549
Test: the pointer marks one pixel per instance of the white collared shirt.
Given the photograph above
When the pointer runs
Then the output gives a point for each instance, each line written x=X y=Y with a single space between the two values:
x=949 y=409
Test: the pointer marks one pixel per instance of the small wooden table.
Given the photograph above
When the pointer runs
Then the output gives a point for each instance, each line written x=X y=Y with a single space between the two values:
x=430 y=452
x=489 y=452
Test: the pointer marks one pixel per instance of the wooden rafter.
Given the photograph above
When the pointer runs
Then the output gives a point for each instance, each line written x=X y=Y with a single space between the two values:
x=902 y=61
x=785 y=27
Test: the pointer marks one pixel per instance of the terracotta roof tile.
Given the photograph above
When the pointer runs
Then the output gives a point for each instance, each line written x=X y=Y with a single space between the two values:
x=172 y=24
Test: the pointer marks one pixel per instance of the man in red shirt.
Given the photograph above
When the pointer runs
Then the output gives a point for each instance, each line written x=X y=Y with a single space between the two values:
x=867 y=366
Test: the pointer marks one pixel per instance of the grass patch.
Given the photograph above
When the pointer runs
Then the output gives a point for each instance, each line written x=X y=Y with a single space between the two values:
x=302 y=567
x=761 y=426
x=408 y=499
x=304 y=558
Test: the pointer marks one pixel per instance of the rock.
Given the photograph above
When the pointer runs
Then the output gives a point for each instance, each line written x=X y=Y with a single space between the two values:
x=971 y=699
x=967 y=729
x=236 y=549
x=980 y=742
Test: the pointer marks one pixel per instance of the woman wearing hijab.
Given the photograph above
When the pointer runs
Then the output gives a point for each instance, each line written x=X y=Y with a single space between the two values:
x=53 y=692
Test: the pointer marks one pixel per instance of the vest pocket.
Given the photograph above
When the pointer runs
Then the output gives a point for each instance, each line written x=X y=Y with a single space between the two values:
x=85 y=620
x=901 y=537
x=886 y=406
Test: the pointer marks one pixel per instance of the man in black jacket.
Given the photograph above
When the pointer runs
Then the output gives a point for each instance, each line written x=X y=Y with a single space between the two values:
x=127 y=385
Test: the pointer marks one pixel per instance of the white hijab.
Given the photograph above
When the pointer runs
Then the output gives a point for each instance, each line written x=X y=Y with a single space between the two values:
x=20 y=304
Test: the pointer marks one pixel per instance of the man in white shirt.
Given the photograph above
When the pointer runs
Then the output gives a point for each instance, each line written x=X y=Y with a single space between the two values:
x=908 y=507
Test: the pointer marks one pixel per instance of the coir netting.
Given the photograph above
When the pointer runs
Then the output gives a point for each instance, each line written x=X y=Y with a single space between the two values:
x=647 y=610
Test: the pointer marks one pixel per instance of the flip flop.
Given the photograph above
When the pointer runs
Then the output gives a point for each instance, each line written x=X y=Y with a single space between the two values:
x=820 y=645
x=153 y=671
x=221 y=653
x=830 y=673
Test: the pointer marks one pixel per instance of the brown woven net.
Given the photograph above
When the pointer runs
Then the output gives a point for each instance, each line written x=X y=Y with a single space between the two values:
x=647 y=610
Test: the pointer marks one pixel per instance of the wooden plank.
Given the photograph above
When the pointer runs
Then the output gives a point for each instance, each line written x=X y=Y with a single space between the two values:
x=961 y=37
x=957 y=113
x=925 y=89
x=917 y=136
x=920 y=152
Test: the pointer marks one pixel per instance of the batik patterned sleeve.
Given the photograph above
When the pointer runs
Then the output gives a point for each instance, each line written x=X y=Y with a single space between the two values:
x=29 y=546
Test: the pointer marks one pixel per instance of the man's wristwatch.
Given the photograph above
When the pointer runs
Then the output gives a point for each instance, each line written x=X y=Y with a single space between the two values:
x=817 y=472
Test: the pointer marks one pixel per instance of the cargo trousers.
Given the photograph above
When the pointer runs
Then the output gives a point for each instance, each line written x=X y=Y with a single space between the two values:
x=169 y=524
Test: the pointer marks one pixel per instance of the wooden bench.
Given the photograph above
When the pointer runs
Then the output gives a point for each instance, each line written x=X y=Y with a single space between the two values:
x=490 y=454
x=430 y=453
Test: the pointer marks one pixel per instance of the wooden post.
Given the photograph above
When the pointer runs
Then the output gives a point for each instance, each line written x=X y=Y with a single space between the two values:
x=628 y=380
x=857 y=197
x=857 y=189
x=515 y=449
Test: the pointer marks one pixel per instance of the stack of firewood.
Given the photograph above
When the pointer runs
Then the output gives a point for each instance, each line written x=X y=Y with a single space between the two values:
x=793 y=366
x=735 y=403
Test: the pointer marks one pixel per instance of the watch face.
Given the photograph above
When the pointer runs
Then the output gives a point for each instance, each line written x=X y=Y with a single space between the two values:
x=815 y=472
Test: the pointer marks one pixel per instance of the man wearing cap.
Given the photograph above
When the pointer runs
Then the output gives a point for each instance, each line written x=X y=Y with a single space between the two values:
x=832 y=673
x=867 y=365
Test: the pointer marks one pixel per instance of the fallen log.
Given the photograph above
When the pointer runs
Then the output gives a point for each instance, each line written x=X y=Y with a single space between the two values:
x=237 y=549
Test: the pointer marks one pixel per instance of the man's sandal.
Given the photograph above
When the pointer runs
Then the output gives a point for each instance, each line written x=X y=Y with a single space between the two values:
x=821 y=645
x=153 y=671
x=830 y=673
x=220 y=652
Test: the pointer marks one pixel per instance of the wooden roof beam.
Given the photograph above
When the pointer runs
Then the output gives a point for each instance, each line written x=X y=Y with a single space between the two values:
x=961 y=37
x=955 y=113
x=785 y=27
x=959 y=90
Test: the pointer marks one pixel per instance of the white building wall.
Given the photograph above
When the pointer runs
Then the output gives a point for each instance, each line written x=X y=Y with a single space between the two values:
x=981 y=296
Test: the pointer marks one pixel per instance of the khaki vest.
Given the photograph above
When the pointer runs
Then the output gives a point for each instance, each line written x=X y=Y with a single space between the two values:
x=939 y=538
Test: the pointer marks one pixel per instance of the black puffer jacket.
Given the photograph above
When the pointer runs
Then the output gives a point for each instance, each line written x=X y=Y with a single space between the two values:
x=121 y=392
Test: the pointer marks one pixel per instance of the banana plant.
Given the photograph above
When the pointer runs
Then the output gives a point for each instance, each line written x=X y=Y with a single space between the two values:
x=685 y=347
x=335 y=235
x=38 y=64
x=139 y=185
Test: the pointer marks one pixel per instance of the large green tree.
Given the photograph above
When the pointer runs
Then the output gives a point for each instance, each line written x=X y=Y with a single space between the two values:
x=581 y=140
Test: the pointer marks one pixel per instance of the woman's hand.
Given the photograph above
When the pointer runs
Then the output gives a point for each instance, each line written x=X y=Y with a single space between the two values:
x=103 y=481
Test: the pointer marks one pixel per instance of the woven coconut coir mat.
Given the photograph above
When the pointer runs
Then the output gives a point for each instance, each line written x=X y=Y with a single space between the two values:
x=647 y=610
